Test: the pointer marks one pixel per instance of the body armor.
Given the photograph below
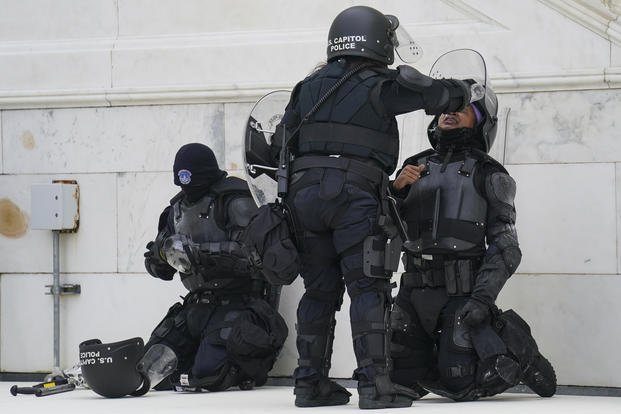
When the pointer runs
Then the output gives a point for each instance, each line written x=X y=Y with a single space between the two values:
x=445 y=214
x=215 y=256
x=351 y=121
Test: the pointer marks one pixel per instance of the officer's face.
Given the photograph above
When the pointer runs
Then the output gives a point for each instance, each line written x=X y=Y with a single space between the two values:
x=454 y=120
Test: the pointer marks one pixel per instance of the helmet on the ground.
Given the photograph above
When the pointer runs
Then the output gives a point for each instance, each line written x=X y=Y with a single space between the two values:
x=110 y=369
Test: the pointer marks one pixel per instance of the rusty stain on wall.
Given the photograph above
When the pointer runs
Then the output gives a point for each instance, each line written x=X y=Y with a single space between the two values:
x=28 y=140
x=13 y=221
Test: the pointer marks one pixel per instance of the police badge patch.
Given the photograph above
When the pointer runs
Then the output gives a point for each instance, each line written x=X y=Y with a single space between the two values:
x=185 y=176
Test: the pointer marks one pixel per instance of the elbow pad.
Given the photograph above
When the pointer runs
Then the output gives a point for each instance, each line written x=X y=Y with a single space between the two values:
x=241 y=210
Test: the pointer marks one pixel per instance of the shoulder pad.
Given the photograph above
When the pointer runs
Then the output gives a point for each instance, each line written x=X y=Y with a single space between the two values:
x=241 y=210
x=500 y=186
x=230 y=185
x=176 y=198
x=485 y=157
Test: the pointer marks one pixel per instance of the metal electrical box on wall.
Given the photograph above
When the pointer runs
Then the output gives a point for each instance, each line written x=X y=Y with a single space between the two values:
x=55 y=206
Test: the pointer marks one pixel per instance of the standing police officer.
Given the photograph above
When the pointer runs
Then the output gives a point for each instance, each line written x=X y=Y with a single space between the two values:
x=344 y=151
x=448 y=335
x=224 y=333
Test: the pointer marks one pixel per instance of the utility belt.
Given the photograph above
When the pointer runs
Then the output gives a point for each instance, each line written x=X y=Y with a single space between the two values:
x=217 y=298
x=200 y=283
x=457 y=275
x=365 y=174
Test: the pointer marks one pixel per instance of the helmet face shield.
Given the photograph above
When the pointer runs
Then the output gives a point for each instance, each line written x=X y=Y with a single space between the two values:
x=469 y=64
x=407 y=49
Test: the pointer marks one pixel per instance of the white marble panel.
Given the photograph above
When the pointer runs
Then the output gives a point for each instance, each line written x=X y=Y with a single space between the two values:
x=615 y=55
x=618 y=182
x=68 y=70
x=546 y=40
x=574 y=319
x=1 y=145
x=197 y=16
x=57 y=19
x=343 y=359
x=143 y=138
x=412 y=134
x=577 y=126
x=566 y=218
x=111 y=307
x=91 y=249
x=213 y=65
x=235 y=118
x=141 y=199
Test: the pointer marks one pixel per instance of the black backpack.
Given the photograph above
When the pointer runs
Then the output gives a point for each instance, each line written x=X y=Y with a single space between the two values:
x=269 y=238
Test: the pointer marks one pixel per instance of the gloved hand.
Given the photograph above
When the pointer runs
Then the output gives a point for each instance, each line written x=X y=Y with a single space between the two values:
x=155 y=265
x=474 y=313
x=459 y=94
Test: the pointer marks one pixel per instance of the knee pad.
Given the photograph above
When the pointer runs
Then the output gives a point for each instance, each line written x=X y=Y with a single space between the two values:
x=516 y=335
x=173 y=331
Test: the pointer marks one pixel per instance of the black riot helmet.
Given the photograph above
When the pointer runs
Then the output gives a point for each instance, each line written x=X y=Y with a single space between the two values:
x=362 y=31
x=483 y=134
x=110 y=369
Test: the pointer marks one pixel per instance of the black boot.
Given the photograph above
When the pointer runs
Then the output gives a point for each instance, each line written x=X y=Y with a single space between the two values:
x=383 y=393
x=540 y=377
x=319 y=393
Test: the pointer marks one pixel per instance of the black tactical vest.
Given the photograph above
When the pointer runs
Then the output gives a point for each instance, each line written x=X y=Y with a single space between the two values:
x=221 y=263
x=444 y=212
x=351 y=121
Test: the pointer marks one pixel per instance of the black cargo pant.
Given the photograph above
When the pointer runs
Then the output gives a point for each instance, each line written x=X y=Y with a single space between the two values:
x=196 y=332
x=333 y=218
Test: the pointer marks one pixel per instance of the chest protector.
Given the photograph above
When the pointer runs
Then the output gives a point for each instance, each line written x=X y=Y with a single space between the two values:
x=217 y=259
x=352 y=120
x=444 y=212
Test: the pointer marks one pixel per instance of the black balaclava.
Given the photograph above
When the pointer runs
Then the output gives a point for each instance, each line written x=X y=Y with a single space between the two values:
x=195 y=170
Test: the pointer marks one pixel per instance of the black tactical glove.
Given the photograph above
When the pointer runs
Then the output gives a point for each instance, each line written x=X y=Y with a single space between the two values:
x=459 y=94
x=474 y=313
x=155 y=265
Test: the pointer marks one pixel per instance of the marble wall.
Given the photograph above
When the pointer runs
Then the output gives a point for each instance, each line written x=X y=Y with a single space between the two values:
x=104 y=92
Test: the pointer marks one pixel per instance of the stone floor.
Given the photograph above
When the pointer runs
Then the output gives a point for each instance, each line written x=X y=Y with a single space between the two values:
x=277 y=399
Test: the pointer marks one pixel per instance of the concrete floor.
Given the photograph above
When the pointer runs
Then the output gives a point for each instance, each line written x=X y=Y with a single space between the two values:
x=273 y=399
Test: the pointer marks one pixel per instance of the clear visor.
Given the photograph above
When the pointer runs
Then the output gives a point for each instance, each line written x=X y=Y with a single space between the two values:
x=158 y=362
x=466 y=64
x=175 y=254
x=407 y=49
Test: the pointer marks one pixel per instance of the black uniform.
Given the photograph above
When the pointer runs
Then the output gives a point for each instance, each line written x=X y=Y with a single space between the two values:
x=337 y=204
x=224 y=333
x=447 y=334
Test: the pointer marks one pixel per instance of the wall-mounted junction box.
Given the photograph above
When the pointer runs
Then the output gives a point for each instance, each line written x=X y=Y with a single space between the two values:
x=55 y=206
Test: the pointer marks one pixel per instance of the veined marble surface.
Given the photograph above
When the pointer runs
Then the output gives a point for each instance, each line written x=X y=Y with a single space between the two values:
x=122 y=139
x=563 y=127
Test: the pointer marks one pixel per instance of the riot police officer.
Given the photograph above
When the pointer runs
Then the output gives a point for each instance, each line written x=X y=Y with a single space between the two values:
x=458 y=202
x=224 y=333
x=340 y=127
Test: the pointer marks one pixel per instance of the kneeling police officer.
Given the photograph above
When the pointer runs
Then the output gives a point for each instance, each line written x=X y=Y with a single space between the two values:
x=458 y=202
x=225 y=333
